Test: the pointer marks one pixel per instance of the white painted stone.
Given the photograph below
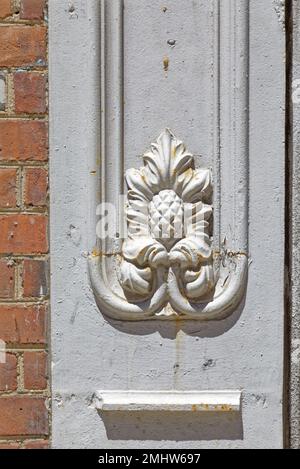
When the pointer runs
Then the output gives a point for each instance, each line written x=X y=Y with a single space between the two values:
x=193 y=279
x=94 y=352
x=168 y=401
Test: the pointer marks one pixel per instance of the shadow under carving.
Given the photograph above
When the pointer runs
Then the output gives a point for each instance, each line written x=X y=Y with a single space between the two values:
x=170 y=329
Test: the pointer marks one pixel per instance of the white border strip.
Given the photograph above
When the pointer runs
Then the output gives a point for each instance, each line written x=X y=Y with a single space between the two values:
x=169 y=401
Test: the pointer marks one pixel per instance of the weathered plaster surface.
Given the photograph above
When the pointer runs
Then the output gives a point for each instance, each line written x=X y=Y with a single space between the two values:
x=279 y=6
x=294 y=147
x=90 y=352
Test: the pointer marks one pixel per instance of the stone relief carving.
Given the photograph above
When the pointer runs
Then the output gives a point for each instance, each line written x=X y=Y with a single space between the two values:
x=169 y=215
x=160 y=271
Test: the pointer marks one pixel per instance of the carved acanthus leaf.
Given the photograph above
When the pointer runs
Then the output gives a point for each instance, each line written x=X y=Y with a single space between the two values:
x=168 y=217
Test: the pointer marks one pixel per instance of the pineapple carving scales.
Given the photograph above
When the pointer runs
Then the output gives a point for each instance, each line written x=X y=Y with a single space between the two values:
x=169 y=218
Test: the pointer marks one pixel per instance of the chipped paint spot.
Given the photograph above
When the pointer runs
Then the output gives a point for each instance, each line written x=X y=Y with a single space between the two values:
x=210 y=363
x=279 y=7
x=178 y=350
x=77 y=9
x=74 y=235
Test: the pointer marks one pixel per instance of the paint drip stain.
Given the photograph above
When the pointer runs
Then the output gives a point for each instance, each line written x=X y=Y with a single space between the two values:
x=166 y=63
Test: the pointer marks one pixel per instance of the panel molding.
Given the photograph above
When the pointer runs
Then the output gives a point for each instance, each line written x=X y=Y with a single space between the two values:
x=168 y=401
x=230 y=246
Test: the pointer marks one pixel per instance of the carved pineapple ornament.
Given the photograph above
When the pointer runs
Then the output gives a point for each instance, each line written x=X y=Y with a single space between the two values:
x=168 y=218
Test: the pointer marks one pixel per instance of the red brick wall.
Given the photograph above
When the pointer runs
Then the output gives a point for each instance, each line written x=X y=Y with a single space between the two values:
x=24 y=289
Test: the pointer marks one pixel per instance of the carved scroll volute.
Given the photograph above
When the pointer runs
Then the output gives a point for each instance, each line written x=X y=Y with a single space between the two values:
x=169 y=216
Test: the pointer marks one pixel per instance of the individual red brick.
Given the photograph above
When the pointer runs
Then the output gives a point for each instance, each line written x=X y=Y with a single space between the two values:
x=22 y=45
x=8 y=373
x=7 y=279
x=23 y=141
x=5 y=9
x=8 y=187
x=36 y=444
x=30 y=93
x=7 y=445
x=23 y=415
x=35 y=370
x=23 y=234
x=36 y=187
x=32 y=9
x=22 y=324
x=35 y=278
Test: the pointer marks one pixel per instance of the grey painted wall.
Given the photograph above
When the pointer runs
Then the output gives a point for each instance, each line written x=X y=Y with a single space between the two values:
x=90 y=352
